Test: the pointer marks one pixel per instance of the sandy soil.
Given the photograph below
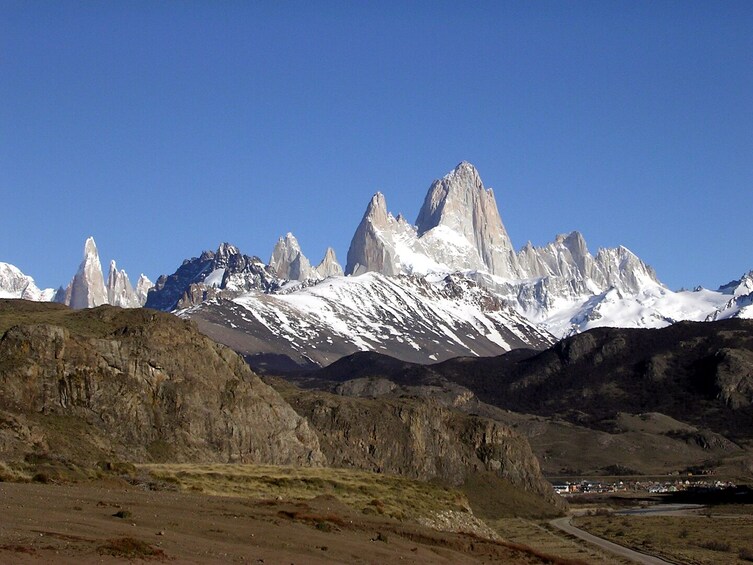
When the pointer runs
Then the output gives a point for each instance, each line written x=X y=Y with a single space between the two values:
x=116 y=522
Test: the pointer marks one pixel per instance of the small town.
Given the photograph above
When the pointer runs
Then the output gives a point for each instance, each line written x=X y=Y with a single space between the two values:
x=675 y=484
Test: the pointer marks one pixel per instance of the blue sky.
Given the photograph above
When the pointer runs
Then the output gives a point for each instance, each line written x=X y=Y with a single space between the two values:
x=165 y=128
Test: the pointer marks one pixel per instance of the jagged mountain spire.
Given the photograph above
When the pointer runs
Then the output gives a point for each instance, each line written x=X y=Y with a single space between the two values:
x=87 y=289
x=289 y=262
x=329 y=267
x=368 y=249
x=458 y=228
x=458 y=202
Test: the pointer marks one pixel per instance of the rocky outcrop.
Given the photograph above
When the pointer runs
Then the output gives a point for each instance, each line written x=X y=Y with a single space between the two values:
x=288 y=261
x=418 y=438
x=329 y=267
x=142 y=386
x=201 y=278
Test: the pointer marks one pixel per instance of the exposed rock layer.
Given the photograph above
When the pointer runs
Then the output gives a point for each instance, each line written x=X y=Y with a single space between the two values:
x=143 y=386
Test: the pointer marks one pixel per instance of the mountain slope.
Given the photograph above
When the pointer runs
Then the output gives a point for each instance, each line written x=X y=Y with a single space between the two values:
x=105 y=384
x=406 y=316
x=655 y=401
x=700 y=373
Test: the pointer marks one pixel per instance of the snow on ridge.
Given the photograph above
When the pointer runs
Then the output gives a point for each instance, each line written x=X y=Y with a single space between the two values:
x=372 y=311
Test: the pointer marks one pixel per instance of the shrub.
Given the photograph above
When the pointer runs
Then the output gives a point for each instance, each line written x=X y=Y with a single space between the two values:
x=715 y=545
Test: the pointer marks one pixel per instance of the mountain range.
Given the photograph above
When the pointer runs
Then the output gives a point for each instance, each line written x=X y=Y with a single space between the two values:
x=449 y=284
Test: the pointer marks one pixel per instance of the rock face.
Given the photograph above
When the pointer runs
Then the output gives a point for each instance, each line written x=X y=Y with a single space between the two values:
x=87 y=289
x=15 y=284
x=329 y=267
x=419 y=439
x=458 y=204
x=142 y=386
x=288 y=262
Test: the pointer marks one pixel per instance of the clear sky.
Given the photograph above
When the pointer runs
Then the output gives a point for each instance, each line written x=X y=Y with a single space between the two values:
x=165 y=128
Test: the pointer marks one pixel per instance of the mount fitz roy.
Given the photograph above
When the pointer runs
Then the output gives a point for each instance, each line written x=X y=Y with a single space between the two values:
x=450 y=284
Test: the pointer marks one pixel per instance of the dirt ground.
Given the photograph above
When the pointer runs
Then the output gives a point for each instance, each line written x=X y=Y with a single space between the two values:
x=114 y=522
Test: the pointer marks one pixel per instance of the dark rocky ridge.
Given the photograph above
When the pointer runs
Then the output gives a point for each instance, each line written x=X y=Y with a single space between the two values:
x=652 y=400
x=186 y=286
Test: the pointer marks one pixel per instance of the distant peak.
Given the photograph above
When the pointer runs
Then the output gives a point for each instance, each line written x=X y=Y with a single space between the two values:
x=378 y=201
x=90 y=247
x=465 y=172
x=226 y=248
x=376 y=211
x=289 y=241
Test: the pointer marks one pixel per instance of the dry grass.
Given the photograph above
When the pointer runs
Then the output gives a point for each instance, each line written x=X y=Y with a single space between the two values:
x=11 y=474
x=697 y=540
x=535 y=534
x=370 y=493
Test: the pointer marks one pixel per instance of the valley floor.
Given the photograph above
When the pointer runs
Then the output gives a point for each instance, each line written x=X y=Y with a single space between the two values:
x=114 y=521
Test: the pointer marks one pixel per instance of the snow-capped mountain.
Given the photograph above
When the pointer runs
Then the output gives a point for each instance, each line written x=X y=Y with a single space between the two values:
x=740 y=300
x=202 y=278
x=457 y=242
x=15 y=284
x=88 y=289
x=459 y=229
x=410 y=317
x=452 y=284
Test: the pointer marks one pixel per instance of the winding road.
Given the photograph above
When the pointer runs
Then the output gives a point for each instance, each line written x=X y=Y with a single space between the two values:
x=619 y=550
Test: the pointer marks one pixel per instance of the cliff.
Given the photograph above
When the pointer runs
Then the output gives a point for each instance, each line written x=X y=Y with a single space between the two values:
x=138 y=385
